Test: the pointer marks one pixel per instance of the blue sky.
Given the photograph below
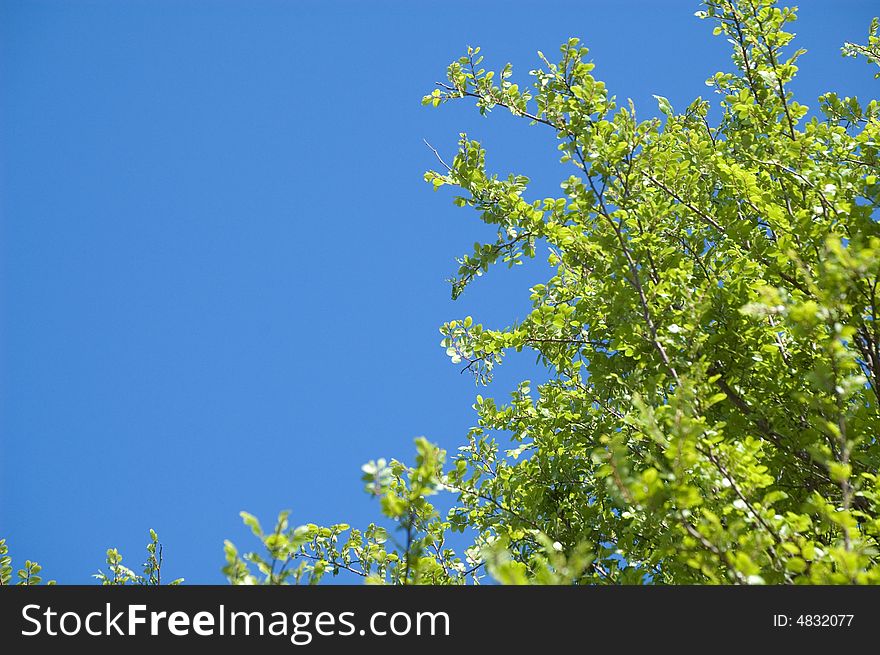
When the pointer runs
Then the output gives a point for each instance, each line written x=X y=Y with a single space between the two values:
x=221 y=274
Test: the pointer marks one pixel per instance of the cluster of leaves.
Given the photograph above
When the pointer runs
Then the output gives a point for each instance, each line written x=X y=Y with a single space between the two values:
x=870 y=50
x=121 y=575
x=308 y=552
x=304 y=554
x=29 y=575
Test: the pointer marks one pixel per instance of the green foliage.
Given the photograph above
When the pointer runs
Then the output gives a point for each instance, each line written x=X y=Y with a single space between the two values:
x=120 y=574
x=710 y=328
x=27 y=576
x=307 y=553
x=871 y=50
x=709 y=331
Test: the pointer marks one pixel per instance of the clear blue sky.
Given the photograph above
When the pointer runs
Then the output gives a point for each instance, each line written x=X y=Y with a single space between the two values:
x=221 y=274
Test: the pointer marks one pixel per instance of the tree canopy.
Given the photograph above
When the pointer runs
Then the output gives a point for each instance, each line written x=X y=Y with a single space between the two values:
x=710 y=334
